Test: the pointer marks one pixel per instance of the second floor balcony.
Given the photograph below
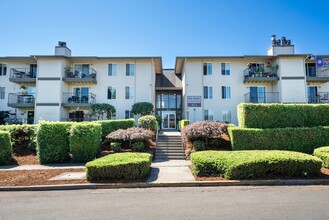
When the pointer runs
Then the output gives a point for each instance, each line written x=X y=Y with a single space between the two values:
x=80 y=76
x=23 y=75
x=314 y=74
x=78 y=100
x=262 y=97
x=263 y=75
x=20 y=100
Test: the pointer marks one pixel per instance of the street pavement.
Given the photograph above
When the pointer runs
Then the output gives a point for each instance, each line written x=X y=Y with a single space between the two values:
x=239 y=202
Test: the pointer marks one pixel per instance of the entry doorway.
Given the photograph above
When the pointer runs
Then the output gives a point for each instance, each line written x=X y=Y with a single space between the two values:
x=168 y=120
x=30 y=117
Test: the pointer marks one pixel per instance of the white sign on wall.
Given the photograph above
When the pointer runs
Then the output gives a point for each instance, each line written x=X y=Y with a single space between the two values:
x=193 y=101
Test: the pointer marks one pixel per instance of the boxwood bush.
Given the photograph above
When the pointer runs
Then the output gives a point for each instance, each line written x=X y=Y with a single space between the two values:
x=293 y=139
x=5 y=148
x=108 y=126
x=148 y=122
x=282 y=115
x=53 y=142
x=131 y=166
x=254 y=164
x=323 y=154
x=85 y=141
x=22 y=136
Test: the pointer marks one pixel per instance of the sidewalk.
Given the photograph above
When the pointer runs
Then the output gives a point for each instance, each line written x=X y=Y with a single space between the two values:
x=42 y=167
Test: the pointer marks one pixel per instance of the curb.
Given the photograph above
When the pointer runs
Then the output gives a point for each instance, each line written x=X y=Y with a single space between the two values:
x=277 y=182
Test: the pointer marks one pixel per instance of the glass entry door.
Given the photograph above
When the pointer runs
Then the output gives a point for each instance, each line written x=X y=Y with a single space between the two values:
x=168 y=120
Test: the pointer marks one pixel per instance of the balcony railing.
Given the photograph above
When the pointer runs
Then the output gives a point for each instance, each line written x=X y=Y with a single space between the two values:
x=73 y=99
x=267 y=74
x=23 y=75
x=80 y=76
x=262 y=97
x=314 y=75
x=20 y=100
x=78 y=119
x=19 y=120
x=320 y=97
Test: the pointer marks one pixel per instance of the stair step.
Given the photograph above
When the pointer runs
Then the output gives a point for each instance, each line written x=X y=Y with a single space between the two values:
x=170 y=158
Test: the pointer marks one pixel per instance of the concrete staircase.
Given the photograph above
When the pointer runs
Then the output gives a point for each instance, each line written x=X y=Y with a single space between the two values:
x=169 y=146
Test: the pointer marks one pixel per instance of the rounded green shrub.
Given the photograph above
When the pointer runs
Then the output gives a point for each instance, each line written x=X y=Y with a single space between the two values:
x=116 y=147
x=5 y=148
x=323 y=154
x=199 y=145
x=138 y=146
x=148 y=122
x=85 y=141
x=254 y=164
x=131 y=166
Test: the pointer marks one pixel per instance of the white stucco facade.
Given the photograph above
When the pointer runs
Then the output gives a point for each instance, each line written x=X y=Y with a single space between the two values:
x=61 y=87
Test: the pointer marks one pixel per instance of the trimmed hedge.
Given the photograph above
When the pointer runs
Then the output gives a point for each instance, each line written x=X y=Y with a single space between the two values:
x=282 y=115
x=22 y=136
x=108 y=126
x=52 y=142
x=293 y=139
x=254 y=164
x=85 y=140
x=5 y=148
x=323 y=154
x=182 y=124
x=131 y=166
x=148 y=122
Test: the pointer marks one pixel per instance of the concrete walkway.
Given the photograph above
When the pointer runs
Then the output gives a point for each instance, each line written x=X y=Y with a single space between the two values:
x=42 y=167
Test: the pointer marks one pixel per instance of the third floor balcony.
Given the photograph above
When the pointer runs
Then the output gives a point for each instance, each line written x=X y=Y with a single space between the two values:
x=260 y=73
x=80 y=76
x=314 y=74
x=23 y=75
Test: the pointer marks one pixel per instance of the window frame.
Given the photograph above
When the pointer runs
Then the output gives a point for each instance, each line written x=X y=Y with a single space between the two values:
x=225 y=71
x=109 y=89
x=131 y=92
x=2 y=92
x=110 y=71
x=131 y=71
x=209 y=88
x=209 y=116
x=207 y=69
x=3 y=69
x=226 y=90
x=227 y=116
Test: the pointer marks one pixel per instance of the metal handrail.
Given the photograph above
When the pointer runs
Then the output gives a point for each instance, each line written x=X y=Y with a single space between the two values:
x=23 y=73
x=262 y=97
x=76 y=73
x=21 y=98
x=265 y=72
x=75 y=98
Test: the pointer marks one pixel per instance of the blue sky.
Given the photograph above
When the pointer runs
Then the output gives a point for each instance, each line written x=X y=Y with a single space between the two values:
x=166 y=28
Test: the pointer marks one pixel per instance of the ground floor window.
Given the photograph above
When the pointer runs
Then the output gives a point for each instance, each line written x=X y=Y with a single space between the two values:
x=227 y=117
x=208 y=115
x=128 y=114
x=2 y=92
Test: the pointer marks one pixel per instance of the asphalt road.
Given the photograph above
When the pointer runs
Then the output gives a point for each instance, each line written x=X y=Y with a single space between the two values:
x=264 y=202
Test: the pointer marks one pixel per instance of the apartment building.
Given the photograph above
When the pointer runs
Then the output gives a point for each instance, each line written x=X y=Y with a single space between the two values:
x=61 y=87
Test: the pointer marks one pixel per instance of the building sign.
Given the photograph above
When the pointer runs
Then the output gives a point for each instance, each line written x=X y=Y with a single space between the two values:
x=326 y=62
x=193 y=101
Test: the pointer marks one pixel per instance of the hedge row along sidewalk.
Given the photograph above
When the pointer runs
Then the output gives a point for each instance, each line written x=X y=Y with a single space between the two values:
x=125 y=166
x=5 y=148
x=323 y=154
x=255 y=164
x=282 y=115
x=294 y=139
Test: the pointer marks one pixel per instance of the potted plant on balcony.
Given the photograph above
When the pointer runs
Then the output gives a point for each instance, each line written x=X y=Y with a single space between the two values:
x=23 y=90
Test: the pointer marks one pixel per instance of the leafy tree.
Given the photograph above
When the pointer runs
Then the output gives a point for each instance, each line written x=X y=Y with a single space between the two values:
x=3 y=116
x=143 y=108
x=100 y=109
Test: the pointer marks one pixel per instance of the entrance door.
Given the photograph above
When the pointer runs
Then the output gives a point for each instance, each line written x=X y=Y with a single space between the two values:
x=30 y=117
x=168 y=120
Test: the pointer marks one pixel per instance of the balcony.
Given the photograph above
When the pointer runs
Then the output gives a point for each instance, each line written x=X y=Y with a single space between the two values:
x=74 y=100
x=316 y=76
x=78 y=76
x=262 y=97
x=265 y=75
x=19 y=100
x=78 y=119
x=23 y=75
x=320 y=97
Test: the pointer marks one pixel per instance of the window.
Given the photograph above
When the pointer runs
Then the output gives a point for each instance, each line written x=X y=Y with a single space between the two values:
x=312 y=94
x=226 y=69
x=257 y=94
x=208 y=115
x=81 y=70
x=112 y=69
x=80 y=95
x=226 y=92
x=3 y=69
x=130 y=69
x=129 y=92
x=207 y=69
x=2 y=92
x=207 y=92
x=128 y=114
x=33 y=70
x=227 y=116
x=111 y=92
